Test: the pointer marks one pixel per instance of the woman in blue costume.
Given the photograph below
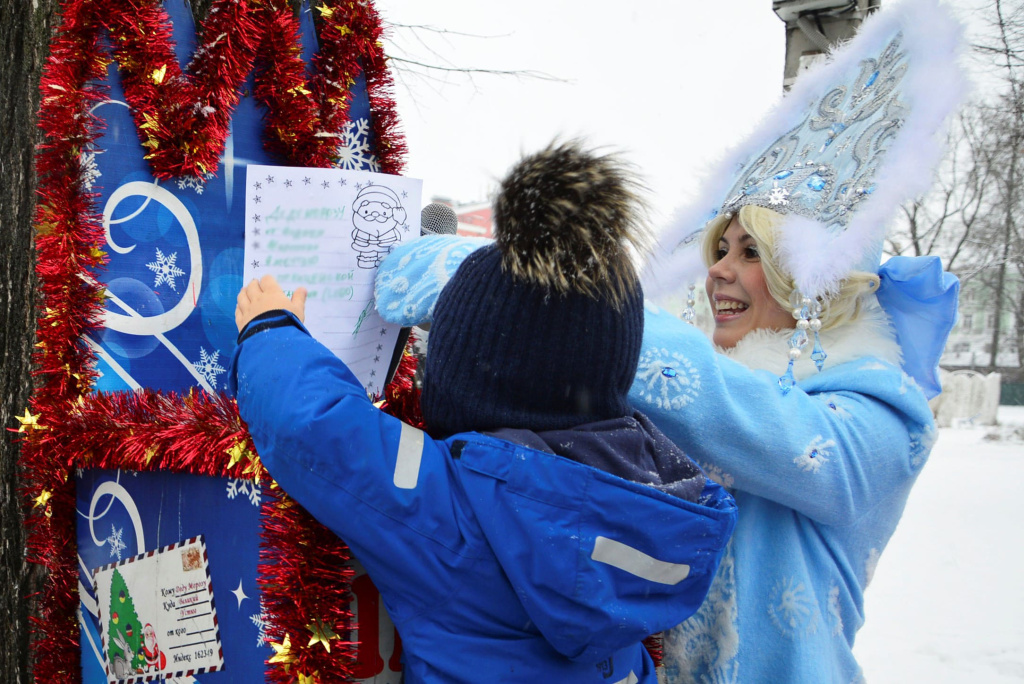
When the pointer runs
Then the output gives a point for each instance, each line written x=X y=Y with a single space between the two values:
x=810 y=402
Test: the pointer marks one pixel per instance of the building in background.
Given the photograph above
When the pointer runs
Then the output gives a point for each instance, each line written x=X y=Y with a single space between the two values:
x=970 y=342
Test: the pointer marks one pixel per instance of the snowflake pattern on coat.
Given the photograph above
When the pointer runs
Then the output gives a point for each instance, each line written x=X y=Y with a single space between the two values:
x=835 y=613
x=717 y=474
x=666 y=379
x=909 y=384
x=921 y=443
x=793 y=608
x=870 y=565
x=815 y=455
x=836 y=404
x=702 y=650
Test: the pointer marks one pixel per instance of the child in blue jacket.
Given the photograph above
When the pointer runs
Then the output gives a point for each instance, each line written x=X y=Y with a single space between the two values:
x=543 y=528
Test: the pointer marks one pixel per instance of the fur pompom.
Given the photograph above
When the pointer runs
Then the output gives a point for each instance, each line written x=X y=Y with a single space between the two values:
x=571 y=220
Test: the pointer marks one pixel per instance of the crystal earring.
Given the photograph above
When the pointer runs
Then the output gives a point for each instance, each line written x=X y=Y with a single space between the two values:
x=818 y=355
x=689 y=313
x=802 y=313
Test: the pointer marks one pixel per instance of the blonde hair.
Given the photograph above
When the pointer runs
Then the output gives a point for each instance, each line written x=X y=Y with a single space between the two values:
x=763 y=224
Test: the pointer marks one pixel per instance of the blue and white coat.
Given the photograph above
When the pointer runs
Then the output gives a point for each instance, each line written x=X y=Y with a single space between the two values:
x=496 y=562
x=820 y=475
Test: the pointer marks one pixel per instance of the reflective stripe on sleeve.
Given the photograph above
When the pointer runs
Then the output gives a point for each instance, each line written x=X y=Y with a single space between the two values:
x=636 y=562
x=410 y=453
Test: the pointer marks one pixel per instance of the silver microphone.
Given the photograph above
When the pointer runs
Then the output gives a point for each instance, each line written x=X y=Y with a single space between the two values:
x=438 y=219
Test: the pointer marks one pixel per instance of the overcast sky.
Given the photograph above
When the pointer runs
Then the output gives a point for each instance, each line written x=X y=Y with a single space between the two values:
x=669 y=83
x=672 y=84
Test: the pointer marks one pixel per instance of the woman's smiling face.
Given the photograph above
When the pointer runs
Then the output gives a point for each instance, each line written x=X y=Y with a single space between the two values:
x=738 y=292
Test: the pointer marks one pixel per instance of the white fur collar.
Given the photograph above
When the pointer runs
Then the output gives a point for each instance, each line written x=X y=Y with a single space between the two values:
x=869 y=335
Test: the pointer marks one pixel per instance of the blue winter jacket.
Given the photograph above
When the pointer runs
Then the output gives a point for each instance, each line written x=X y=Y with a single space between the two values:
x=496 y=562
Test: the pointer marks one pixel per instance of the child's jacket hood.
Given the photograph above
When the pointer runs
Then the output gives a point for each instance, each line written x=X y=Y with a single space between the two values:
x=598 y=562
x=629 y=447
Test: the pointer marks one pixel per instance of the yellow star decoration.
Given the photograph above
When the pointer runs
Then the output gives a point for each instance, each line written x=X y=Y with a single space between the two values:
x=29 y=422
x=158 y=74
x=322 y=634
x=42 y=499
x=254 y=468
x=237 y=452
x=283 y=653
x=325 y=11
x=308 y=679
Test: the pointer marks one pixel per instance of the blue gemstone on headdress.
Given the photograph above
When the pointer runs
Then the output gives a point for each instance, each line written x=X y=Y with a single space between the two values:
x=750 y=189
x=816 y=183
x=868 y=190
x=838 y=127
x=871 y=81
x=669 y=372
x=782 y=175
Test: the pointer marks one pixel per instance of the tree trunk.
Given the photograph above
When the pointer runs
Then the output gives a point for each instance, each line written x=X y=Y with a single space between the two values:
x=1004 y=254
x=25 y=29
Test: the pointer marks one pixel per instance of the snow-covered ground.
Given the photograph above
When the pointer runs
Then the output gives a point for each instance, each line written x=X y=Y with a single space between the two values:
x=947 y=600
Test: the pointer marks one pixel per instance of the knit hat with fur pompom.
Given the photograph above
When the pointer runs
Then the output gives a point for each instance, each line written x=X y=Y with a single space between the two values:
x=542 y=329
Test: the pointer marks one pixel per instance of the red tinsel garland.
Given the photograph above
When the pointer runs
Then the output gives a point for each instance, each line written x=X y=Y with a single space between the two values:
x=183 y=121
x=401 y=398
x=67 y=246
x=305 y=579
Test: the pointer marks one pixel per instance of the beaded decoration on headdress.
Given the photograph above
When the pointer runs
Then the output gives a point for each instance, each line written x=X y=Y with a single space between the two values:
x=827 y=165
x=852 y=141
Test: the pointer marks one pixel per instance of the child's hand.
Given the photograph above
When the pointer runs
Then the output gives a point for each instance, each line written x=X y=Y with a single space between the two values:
x=263 y=295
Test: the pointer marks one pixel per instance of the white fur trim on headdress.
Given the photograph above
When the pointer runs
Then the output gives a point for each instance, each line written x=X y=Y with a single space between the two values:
x=817 y=256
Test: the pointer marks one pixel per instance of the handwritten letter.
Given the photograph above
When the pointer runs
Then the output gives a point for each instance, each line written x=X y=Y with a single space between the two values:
x=327 y=230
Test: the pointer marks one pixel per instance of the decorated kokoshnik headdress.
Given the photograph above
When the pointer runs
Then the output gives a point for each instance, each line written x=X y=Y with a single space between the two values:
x=853 y=140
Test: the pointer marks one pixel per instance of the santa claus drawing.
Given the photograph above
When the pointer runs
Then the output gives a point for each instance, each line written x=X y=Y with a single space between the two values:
x=377 y=215
x=155 y=659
